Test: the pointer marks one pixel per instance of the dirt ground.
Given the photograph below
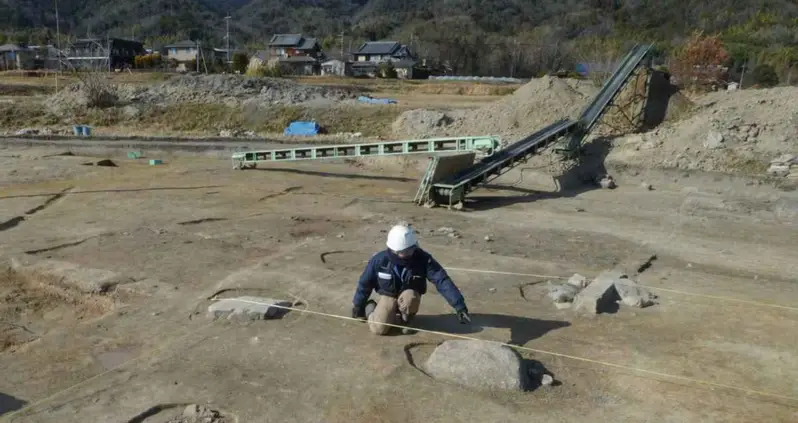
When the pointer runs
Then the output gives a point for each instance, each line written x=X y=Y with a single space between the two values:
x=180 y=232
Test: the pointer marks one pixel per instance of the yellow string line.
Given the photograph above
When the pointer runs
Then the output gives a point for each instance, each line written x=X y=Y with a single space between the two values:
x=675 y=291
x=535 y=350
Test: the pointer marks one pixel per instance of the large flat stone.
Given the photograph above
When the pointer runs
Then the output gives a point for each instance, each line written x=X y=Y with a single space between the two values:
x=247 y=308
x=600 y=296
x=478 y=365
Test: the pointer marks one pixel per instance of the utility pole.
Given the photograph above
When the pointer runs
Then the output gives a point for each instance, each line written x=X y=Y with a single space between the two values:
x=227 y=37
x=57 y=44
x=742 y=75
x=198 y=55
x=343 y=59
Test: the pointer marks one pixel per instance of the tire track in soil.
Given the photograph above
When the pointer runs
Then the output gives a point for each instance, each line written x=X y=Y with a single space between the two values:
x=16 y=220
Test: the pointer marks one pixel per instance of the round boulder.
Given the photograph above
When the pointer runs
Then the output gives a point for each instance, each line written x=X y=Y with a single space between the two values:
x=478 y=365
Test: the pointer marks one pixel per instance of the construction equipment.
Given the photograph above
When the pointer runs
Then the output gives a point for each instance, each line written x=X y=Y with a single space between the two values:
x=593 y=112
x=454 y=189
x=485 y=145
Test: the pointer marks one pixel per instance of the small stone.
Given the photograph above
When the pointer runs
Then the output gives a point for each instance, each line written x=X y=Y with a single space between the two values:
x=488 y=238
x=546 y=380
x=714 y=140
x=563 y=306
x=633 y=295
x=446 y=230
x=339 y=236
x=562 y=293
x=779 y=169
x=578 y=281
x=607 y=183
x=453 y=235
x=647 y=186
x=491 y=289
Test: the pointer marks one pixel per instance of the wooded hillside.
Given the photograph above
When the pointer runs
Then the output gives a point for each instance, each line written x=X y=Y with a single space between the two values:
x=498 y=37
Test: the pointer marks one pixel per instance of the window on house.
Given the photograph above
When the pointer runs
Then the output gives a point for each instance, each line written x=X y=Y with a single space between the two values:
x=172 y=51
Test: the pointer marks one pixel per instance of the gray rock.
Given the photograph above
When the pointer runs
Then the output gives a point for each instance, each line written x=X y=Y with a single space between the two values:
x=784 y=159
x=247 y=308
x=562 y=293
x=714 y=140
x=779 y=169
x=633 y=295
x=578 y=281
x=478 y=365
x=607 y=182
x=599 y=296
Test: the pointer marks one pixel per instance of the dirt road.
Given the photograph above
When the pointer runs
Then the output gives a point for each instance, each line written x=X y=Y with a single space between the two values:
x=177 y=234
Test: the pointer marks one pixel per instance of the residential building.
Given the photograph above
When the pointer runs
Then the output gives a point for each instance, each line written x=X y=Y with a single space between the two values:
x=371 y=55
x=381 y=51
x=183 y=51
x=291 y=45
x=98 y=53
x=16 y=57
x=336 y=67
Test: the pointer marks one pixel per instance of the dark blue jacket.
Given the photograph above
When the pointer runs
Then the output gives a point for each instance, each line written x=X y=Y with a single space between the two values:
x=389 y=277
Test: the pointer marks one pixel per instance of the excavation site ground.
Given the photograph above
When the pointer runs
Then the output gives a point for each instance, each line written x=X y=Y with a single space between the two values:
x=112 y=267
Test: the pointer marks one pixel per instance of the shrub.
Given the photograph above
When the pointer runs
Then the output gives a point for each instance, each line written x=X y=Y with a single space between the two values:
x=764 y=75
x=700 y=61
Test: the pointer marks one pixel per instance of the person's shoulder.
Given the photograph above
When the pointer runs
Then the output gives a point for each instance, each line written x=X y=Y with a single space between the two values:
x=423 y=255
x=378 y=256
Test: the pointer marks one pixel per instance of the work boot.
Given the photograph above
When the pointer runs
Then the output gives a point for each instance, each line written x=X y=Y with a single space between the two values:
x=371 y=305
x=406 y=319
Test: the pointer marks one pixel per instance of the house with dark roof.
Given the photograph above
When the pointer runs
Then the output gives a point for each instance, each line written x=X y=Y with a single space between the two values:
x=295 y=54
x=372 y=54
x=290 y=45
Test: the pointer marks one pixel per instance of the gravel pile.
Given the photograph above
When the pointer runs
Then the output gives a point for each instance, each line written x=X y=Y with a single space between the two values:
x=231 y=90
x=235 y=89
x=725 y=131
x=530 y=108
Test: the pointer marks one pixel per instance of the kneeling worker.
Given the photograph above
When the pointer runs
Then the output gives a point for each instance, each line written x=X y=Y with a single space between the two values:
x=399 y=275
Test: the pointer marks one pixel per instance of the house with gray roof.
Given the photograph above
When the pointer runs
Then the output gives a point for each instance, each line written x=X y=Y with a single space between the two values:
x=294 y=53
x=372 y=54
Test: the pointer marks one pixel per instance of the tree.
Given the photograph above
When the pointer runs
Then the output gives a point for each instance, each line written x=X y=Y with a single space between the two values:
x=386 y=70
x=700 y=61
x=240 y=62
x=764 y=75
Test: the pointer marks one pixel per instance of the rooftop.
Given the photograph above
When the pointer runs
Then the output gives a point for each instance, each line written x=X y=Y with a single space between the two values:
x=379 y=47
x=182 y=44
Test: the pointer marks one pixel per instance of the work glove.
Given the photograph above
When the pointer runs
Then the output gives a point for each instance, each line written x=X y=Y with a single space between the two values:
x=463 y=316
x=358 y=312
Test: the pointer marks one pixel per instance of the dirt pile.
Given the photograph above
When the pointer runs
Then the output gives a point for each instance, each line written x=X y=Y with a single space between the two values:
x=530 y=108
x=232 y=90
x=734 y=131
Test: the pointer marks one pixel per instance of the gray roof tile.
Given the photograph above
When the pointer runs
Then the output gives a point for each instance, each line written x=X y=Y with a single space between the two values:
x=379 y=47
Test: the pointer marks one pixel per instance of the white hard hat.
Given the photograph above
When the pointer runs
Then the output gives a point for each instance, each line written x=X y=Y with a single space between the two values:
x=401 y=237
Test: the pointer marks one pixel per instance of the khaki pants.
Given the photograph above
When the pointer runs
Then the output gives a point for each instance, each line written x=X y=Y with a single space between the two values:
x=387 y=307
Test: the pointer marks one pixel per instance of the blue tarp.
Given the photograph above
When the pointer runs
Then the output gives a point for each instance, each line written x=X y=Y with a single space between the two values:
x=370 y=100
x=582 y=69
x=302 y=128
